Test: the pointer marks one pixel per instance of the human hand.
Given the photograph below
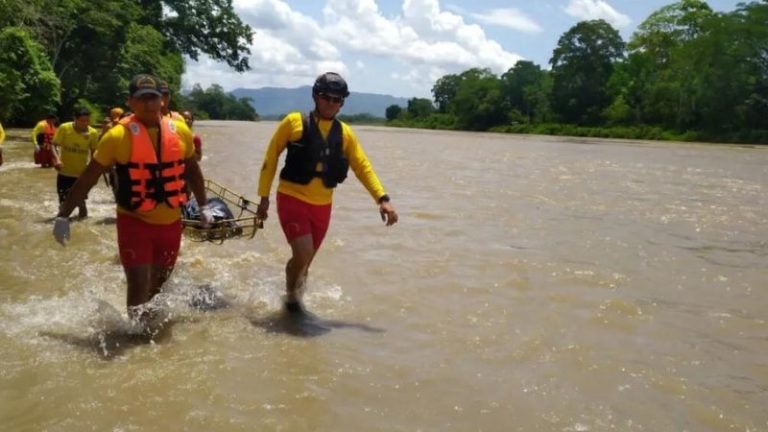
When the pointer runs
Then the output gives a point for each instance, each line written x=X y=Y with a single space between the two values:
x=61 y=230
x=261 y=211
x=388 y=213
x=206 y=216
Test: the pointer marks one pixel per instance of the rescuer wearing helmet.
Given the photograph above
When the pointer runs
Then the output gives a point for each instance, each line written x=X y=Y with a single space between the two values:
x=320 y=150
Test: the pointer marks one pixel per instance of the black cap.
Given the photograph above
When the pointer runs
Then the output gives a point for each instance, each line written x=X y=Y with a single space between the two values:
x=163 y=86
x=144 y=84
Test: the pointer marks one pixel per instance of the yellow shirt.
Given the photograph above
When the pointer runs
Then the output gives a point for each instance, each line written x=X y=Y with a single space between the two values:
x=74 y=148
x=2 y=134
x=115 y=147
x=290 y=129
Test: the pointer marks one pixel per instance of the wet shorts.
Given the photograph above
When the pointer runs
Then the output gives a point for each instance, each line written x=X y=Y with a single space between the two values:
x=299 y=218
x=142 y=243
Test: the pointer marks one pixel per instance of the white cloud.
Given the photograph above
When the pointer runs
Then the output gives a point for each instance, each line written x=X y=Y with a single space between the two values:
x=290 y=48
x=512 y=18
x=597 y=9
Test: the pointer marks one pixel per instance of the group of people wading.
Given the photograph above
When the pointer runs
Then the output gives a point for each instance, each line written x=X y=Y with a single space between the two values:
x=151 y=155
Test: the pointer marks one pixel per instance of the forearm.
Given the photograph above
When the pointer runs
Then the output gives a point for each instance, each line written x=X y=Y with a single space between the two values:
x=55 y=152
x=364 y=172
x=196 y=181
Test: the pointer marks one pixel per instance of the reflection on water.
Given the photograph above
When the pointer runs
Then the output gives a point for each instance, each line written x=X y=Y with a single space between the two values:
x=532 y=284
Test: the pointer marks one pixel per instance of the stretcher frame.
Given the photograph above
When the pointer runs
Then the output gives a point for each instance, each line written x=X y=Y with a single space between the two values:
x=244 y=225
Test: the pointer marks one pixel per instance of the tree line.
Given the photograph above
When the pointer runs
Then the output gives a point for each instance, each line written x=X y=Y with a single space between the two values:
x=56 y=55
x=688 y=73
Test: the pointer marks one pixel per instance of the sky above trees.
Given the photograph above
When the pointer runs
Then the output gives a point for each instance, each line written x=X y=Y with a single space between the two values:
x=401 y=47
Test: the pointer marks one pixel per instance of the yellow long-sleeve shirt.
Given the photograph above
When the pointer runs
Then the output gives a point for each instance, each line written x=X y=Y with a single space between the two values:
x=290 y=129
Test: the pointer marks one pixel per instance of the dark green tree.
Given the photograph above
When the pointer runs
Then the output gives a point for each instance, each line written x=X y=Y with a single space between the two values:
x=730 y=62
x=480 y=103
x=195 y=27
x=28 y=87
x=582 y=63
x=420 y=107
x=525 y=89
x=444 y=91
x=88 y=42
x=214 y=103
x=662 y=88
x=393 y=111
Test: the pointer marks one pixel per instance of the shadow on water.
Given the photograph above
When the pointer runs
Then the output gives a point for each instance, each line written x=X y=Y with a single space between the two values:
x=110 y=220
x=305 y=324
x=111 y=344
x=72 y=219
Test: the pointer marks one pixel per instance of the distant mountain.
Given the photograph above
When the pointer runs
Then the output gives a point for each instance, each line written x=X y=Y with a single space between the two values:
x=275 y=102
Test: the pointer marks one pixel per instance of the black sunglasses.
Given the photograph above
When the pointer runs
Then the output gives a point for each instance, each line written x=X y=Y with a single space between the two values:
x=331 y=99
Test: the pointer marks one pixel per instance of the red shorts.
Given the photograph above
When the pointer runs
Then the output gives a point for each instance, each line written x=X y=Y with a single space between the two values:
x=44 y=157
x=299 y=218
x=142 y=243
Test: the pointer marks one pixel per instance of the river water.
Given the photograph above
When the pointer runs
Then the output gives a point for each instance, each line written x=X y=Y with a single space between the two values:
x=532 y=284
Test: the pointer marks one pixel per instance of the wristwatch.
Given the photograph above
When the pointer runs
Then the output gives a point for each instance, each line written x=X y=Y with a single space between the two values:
x=384 y=198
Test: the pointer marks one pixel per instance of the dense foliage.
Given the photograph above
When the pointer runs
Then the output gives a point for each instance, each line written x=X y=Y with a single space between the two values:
x=84 y=52
x=687 y=73
x=214 y=103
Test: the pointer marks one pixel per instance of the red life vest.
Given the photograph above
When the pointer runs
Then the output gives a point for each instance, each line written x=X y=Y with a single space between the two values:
x=48 y=133
x=44 y=139
x=143 y=182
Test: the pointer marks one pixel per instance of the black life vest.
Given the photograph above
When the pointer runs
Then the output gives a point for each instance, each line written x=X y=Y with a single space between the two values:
x=311 y=149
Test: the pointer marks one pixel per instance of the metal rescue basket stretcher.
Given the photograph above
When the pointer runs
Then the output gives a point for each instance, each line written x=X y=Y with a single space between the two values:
x=226 y=225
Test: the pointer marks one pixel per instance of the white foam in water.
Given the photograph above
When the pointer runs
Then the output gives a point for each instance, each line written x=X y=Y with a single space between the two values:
x=31 y=207
x=94 y=317
x=69 y=313
x=15 y=165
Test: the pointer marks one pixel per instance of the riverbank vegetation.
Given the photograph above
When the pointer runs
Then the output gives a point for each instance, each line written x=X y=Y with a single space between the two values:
x=58 y=54
x=688 y=73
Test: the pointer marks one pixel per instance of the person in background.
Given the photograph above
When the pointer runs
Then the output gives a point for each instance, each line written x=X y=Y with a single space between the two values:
x=73 y=146
x=2 y=138
x=190 y=119
x=155 y=159
x=165 y=89
x=110 y=121
x=320 y=149
x=42 y=135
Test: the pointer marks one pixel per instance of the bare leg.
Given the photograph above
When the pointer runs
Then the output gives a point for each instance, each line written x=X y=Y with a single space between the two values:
x=160 y=275
x=138 y=293
x=144 y=282
x=297 y=268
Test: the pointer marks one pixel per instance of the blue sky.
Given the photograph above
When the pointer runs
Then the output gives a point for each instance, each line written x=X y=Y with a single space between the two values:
x=401 y=47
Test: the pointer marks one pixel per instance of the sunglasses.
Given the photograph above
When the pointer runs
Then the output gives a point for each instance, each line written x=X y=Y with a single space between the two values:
x=331 y=99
